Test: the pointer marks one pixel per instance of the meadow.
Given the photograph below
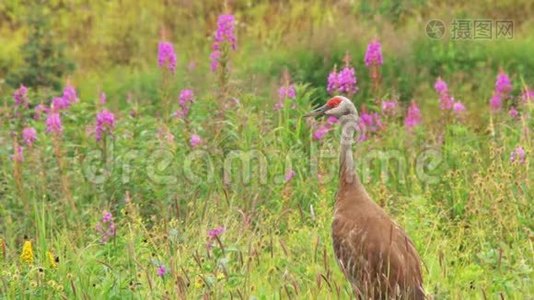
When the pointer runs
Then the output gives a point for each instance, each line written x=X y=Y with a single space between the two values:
x=159 y=150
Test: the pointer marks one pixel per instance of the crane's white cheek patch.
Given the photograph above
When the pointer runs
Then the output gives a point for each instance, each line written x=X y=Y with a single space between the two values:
x=334 y=111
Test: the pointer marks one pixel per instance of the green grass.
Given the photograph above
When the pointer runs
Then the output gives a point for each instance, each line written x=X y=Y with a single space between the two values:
x=471 y=228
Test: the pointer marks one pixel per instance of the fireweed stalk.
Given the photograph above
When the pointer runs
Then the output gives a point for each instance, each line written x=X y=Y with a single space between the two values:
x=285 y=92
x=185 y=101
x=21 y=103
x=448 y=106
x=167 y=65
x=413 y=116
x=29 y=136
x=501 y=93
x=54 y=127
x=105 y=123
x=373 y=60
x=18 y=159
x=224 y=41
x=503 y=87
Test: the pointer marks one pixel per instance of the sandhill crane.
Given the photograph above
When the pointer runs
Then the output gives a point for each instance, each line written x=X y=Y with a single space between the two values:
x=376 y=256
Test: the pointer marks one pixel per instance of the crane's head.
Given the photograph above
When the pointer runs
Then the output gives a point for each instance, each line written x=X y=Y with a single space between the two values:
x=337 y=106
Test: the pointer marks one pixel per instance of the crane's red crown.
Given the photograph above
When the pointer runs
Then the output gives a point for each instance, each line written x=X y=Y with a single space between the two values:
x=333 y=102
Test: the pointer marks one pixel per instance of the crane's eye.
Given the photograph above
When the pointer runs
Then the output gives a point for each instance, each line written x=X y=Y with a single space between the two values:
x=333 y=102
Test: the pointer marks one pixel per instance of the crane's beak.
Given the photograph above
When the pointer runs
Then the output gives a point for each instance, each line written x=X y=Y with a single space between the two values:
x=317 y=112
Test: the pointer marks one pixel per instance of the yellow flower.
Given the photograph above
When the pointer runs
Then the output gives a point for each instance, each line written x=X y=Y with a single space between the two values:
x=51 y=260
x=220 y=276
x=199 y=283
x=27 y=253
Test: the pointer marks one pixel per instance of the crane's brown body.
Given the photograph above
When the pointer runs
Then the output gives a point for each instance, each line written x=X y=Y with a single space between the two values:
x=374 y=253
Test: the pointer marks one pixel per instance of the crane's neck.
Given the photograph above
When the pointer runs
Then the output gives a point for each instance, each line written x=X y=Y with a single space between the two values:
x=347 y=173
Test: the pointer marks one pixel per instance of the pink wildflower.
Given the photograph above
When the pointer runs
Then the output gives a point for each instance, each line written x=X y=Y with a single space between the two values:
x=166 y=56
x=29 y=135
x=413 y=117
x=21 y=96
x=289 y=175
x=53 y=123
x=373 y=55
x=195 y=140
x=518 y=155
x=105 y=122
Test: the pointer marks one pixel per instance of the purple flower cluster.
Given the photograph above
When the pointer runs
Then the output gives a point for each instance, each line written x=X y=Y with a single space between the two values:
x=496 y=102
x=331 y=86
x=214 y=234
x=458 y=108
x=195 y=140
x=161 y=271
x=21 y=96
x=186 y=96
x=503 y=87
x=371 y=121
x=347 y=81
x=185 y=100
x=225 y=30
x=343 y=82
x=53 y=123
x=69 y=94
x=518 y=155
x=225 y=34
x=445 y=100
x=390 y=107
x=441 y=87
x=289 y=175
x=368 y=123
x=285 y=92
x=105 y=122
x=373 y=55
x=66 y=100
x=59 y=103
x=29 y=135
x=166 y=56
x=215 y=55
x=513 y=113
x=106 y=228
x=322 y=130
x=413 y=117
x=503 y=84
